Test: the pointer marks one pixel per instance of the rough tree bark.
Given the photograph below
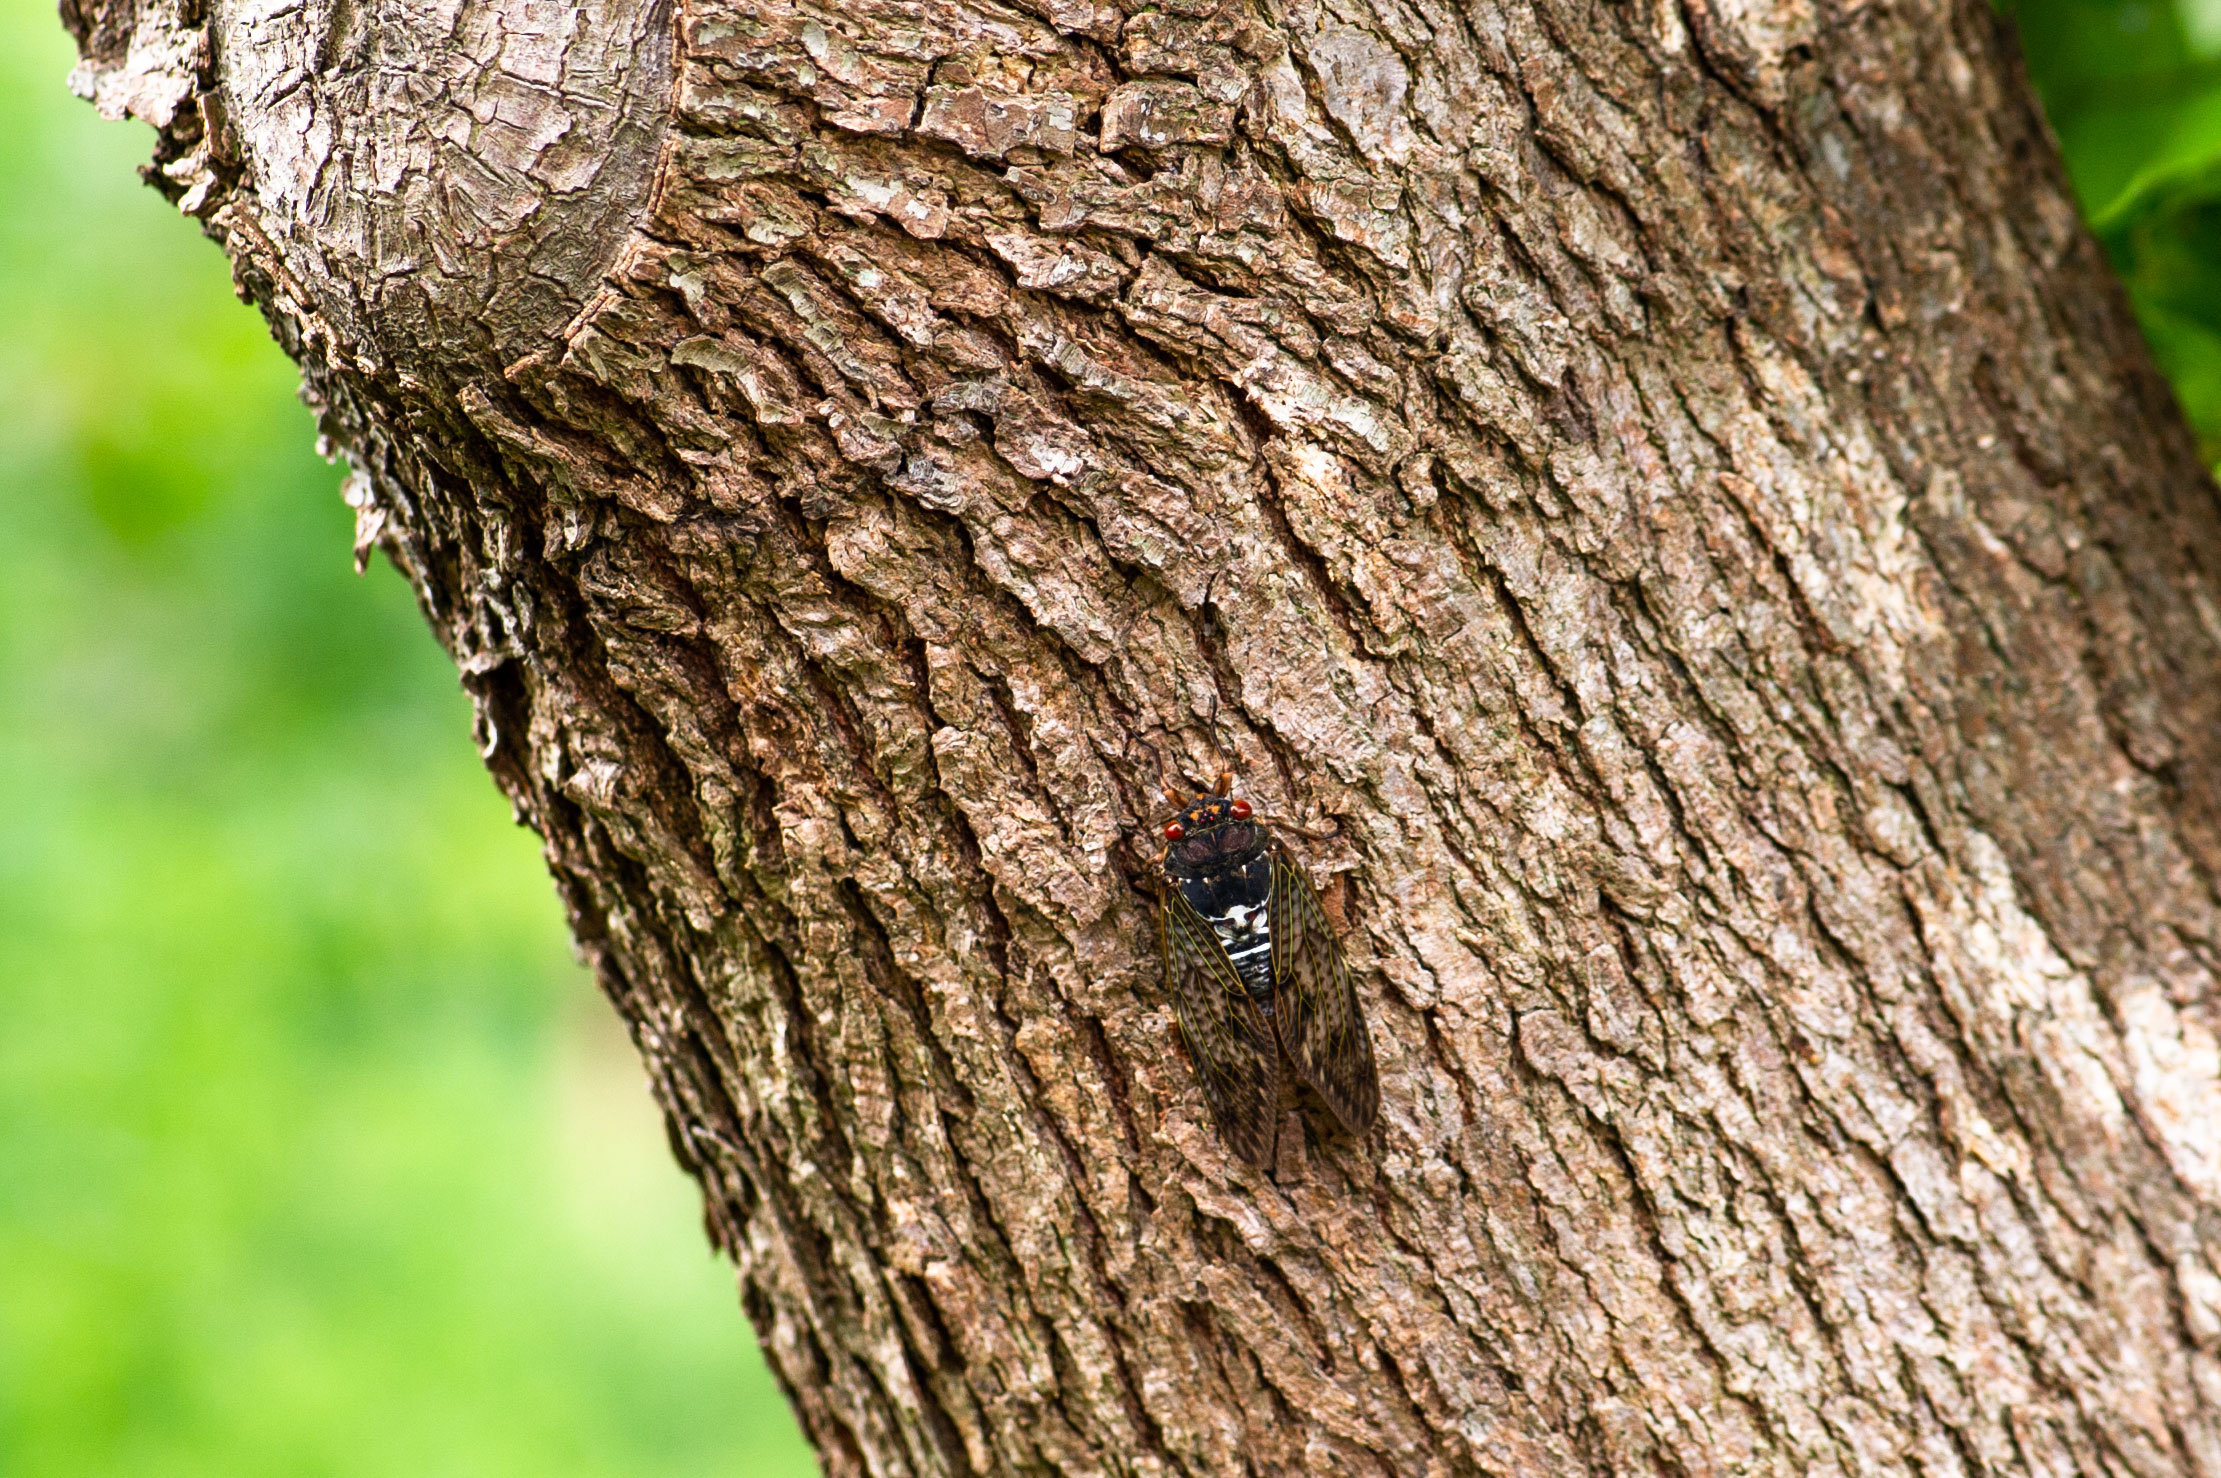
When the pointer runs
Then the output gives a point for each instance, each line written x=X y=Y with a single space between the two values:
x=1670 y=477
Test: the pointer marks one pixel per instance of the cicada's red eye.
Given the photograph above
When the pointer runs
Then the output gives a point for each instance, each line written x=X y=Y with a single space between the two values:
x=1241 y=810
x=1174 y=832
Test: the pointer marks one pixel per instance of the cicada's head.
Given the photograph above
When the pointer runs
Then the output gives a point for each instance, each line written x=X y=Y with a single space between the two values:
x=1211 y=831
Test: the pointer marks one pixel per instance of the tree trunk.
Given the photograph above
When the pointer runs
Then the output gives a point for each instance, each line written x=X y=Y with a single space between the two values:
x=1673 y=483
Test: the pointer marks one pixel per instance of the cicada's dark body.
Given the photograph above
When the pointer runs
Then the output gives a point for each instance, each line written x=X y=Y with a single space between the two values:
x=1256 y=975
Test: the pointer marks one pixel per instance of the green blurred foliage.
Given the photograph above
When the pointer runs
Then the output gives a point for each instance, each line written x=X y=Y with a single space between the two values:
x=318 y=1153
x=2133 y=89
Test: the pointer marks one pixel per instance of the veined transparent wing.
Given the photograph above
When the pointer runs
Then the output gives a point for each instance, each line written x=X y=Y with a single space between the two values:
x=1229 y=1038
x=1315 y=1005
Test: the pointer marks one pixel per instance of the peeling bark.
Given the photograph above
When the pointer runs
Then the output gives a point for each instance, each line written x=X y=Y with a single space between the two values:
x=1674 y=483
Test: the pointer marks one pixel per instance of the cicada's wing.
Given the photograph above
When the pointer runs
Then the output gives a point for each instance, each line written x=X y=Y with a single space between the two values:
x=1230 y=1039
x=1315 y=1004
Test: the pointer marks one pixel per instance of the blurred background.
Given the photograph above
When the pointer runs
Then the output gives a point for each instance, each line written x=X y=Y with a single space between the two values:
x=2133 y=89
x=318 y=1155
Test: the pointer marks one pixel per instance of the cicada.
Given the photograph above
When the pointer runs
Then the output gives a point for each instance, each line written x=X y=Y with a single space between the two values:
x=1256 y=975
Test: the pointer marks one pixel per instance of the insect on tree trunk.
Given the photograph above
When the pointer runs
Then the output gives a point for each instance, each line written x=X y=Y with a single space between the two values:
x=1668 y=491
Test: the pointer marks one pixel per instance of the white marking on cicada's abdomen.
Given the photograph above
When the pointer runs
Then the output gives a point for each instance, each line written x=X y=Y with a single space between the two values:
x=1247 y=935
x=1239 y=919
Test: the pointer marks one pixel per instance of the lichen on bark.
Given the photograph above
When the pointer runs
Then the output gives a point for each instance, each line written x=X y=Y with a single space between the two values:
x=1673 y=482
